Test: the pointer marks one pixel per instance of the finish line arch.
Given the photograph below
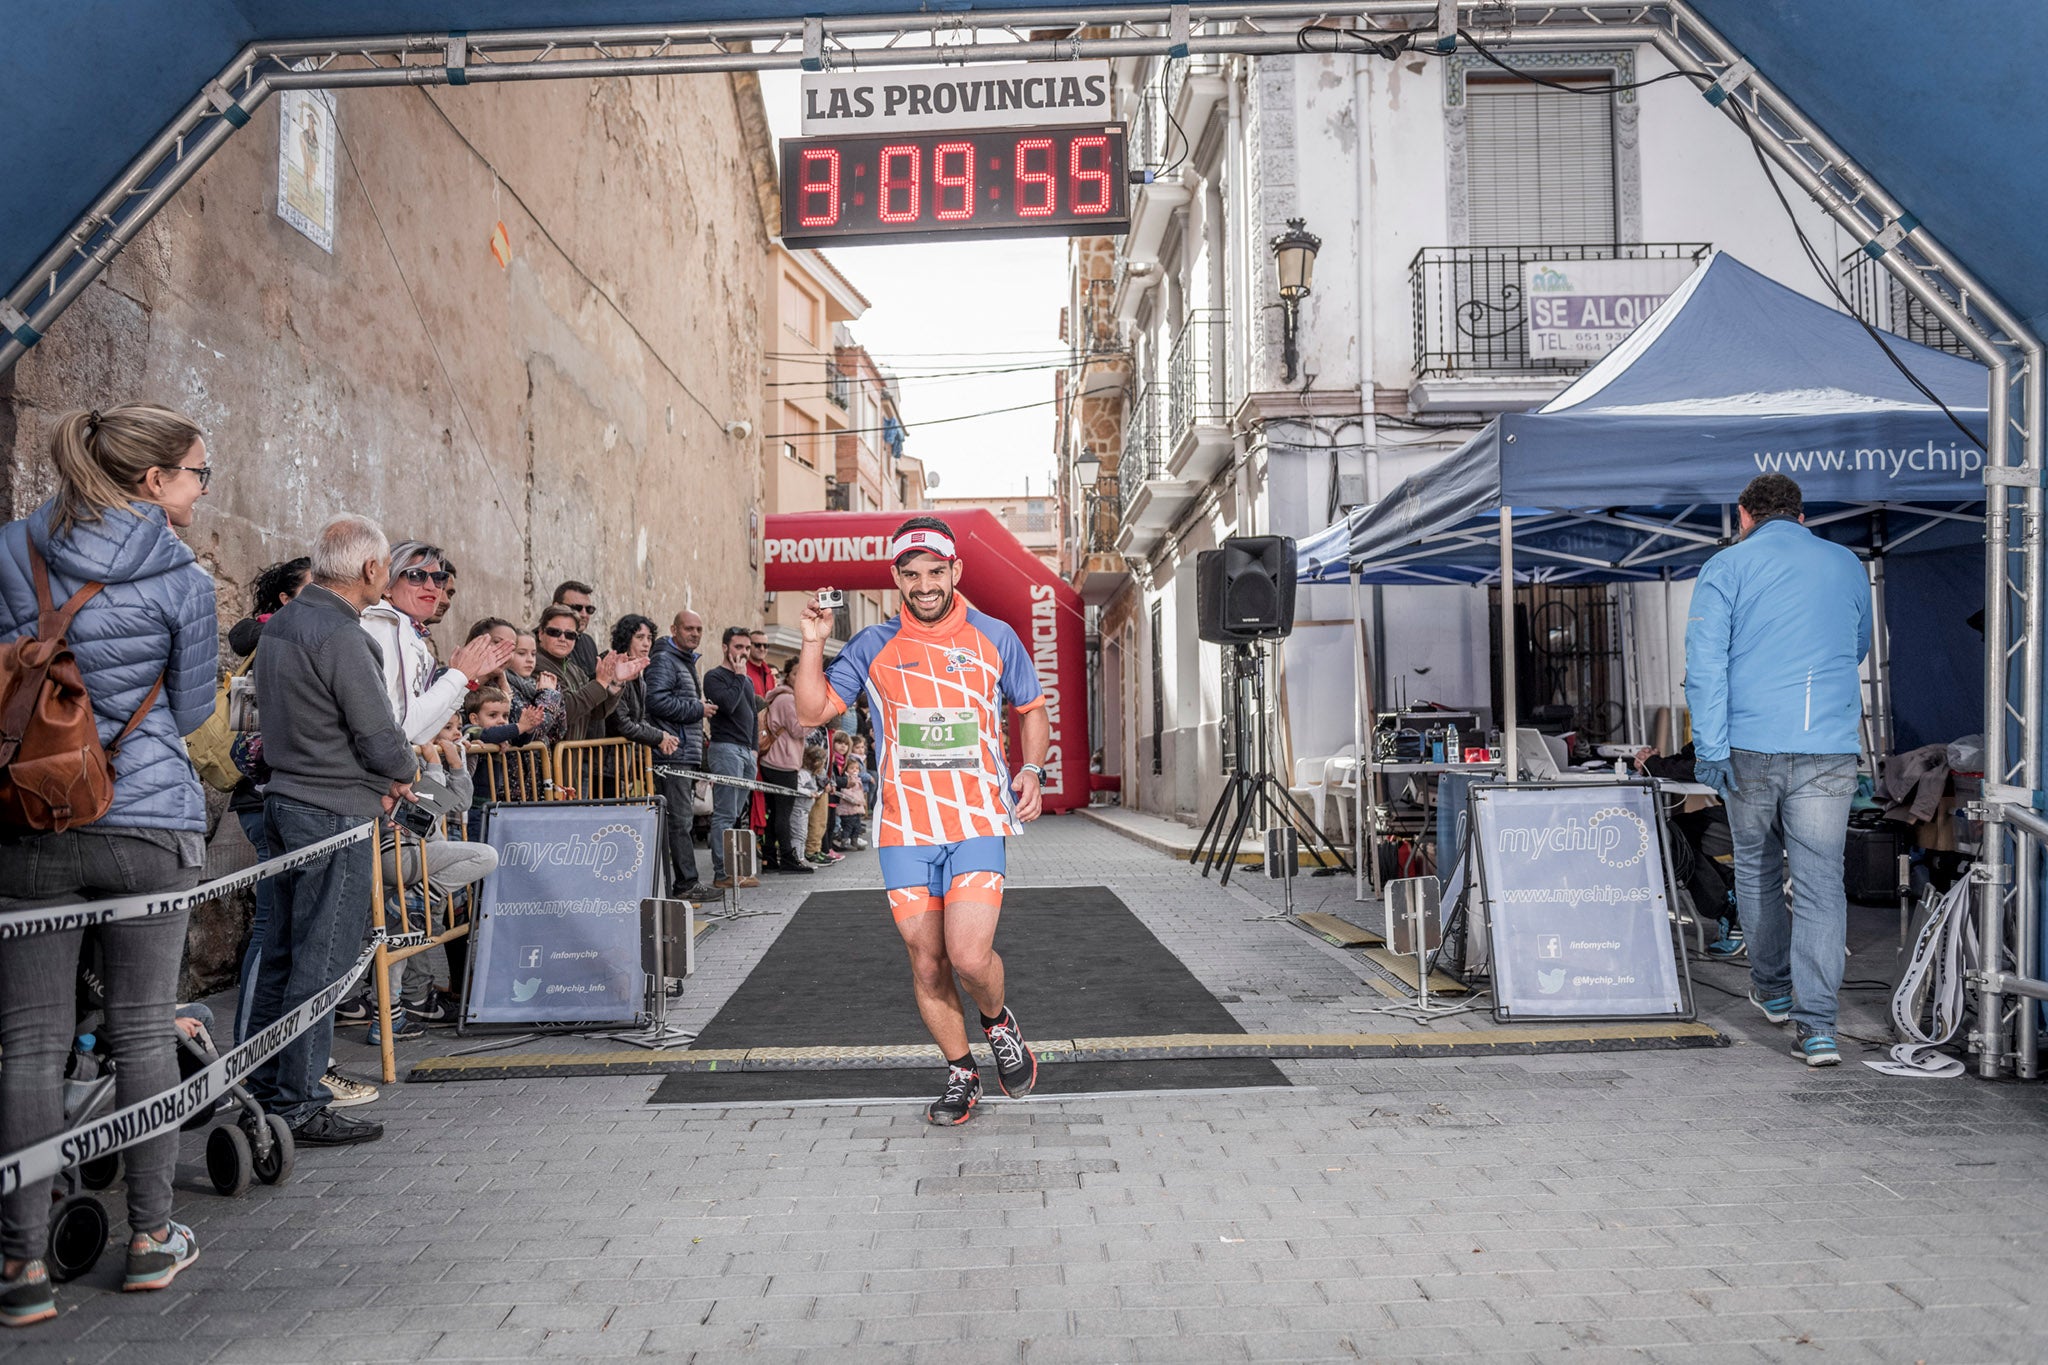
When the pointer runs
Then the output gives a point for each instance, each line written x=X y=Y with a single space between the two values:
x=811 y=550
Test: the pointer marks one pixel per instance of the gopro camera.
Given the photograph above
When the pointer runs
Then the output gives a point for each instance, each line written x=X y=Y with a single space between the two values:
x=832 y=599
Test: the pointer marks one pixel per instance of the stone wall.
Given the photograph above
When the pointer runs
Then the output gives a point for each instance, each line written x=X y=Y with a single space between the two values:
x=560 y=415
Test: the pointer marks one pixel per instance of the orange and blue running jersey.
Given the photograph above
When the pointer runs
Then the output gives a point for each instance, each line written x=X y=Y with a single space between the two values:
x=933 y=694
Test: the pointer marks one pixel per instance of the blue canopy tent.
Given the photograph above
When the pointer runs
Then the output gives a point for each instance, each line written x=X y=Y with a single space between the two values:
x=1630 y=474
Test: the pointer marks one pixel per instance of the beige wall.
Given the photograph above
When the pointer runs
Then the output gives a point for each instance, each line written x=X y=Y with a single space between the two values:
x=512 y=414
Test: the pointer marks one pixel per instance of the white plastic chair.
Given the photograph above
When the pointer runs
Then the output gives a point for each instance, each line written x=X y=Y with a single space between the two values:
x=1320 y=781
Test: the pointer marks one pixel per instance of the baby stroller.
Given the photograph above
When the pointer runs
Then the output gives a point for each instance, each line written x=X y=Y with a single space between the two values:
x=257 y=1146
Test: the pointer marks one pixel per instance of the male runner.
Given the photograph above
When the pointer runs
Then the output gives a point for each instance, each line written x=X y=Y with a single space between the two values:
x=934 y=676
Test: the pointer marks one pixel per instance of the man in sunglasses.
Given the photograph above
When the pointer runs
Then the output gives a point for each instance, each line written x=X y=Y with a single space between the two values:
x=580 y=598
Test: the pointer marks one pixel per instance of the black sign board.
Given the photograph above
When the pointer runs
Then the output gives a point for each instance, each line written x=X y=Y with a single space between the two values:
x=915 y=187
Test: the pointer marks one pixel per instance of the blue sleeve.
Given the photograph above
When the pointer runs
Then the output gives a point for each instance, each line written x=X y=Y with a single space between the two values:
x=1020 y=676
x=848 y=674
x=1707 y=636
x=192 y=673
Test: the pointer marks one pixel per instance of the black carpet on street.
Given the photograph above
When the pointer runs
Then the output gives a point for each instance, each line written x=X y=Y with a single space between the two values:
x=1079 y=965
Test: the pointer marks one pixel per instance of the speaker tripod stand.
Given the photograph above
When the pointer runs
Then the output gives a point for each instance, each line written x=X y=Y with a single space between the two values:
x=1253 y=791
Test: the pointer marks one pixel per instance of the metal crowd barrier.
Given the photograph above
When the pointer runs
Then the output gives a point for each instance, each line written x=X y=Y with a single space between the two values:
x=603 y=770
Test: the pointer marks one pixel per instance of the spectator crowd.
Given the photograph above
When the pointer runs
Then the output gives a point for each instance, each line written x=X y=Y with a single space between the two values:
x=348 y=699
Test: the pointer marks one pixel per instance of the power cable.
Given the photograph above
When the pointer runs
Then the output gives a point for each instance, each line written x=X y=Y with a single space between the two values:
x=570 y=260
x=931 y=377
x=1610 y=88
x=919 y=426
x=454 y=393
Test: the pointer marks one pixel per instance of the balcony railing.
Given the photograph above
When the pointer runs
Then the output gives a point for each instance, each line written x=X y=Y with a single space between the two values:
x=1195 y=373
x=1142 y=457
x=839 y=385
x=1880 y=299
x=1100 y=509
x=1469 y=310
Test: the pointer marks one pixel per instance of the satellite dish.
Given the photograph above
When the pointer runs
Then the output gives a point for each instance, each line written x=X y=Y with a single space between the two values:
x=931 y=478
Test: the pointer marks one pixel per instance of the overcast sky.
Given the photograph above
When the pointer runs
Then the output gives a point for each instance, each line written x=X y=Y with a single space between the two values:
x=938 y=310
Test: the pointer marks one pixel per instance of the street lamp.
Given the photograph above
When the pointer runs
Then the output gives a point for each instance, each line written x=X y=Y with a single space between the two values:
x=1087 y=470
x=1294 y=258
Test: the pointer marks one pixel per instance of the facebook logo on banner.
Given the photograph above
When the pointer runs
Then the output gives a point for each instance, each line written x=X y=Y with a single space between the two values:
x=529 y=958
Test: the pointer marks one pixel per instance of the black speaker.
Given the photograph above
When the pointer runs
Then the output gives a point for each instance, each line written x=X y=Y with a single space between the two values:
x=1245 y=590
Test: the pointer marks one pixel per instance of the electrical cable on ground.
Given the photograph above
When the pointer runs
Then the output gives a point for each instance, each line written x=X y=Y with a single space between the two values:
x=454 y=393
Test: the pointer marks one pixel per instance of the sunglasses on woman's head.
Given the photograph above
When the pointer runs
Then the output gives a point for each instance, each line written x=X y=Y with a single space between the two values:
x=417 y=576
x=554 y=634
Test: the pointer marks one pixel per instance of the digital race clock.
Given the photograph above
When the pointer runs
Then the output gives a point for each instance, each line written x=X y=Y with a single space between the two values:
x=913 y=187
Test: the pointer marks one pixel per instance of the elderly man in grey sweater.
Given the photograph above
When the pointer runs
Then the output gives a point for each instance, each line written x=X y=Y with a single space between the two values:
x=337 y=760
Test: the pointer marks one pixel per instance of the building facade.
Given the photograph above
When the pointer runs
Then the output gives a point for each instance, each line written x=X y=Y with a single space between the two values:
x=1434 y=185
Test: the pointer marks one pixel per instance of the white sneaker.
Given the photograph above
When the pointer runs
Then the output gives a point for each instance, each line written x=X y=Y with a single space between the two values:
x=346 y=1091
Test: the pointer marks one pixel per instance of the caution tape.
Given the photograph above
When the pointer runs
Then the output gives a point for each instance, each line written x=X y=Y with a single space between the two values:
x=54 y=919
x=169 y=1109
x=722 y=780
x=1942 y=954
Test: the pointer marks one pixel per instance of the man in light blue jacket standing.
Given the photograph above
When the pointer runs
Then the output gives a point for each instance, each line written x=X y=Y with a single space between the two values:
x=1780 y=624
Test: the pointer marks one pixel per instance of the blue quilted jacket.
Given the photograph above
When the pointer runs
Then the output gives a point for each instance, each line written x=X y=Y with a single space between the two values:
x=155 y=618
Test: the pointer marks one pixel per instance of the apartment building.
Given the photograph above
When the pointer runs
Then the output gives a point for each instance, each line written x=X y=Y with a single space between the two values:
x=1201 y=403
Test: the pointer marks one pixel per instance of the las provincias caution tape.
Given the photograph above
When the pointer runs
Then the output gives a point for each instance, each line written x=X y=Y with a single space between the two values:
x=54 y=919
x=1943 y=955
x=169 y=1109
x=747 y=783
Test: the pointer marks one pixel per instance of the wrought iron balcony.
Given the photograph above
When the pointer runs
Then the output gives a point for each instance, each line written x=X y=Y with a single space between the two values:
x=1142 y=459
x=1877 y=296
x=1197 y=408
x=1470 y=316
x=839 y=385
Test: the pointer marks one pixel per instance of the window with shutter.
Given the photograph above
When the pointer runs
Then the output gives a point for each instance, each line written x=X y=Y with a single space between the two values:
x=1539 y=165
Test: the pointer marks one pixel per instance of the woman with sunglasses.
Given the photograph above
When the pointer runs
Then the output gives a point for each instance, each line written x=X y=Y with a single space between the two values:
x=146 y=644
x=421 y=701
x=590 y=700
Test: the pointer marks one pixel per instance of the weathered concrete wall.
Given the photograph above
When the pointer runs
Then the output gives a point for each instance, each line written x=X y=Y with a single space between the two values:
x=562 y=416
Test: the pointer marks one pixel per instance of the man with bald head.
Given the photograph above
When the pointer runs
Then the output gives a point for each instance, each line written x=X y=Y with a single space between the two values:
x=675 y=702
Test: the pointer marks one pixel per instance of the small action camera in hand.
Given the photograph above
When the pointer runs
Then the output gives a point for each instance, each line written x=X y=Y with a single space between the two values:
x=831 y=598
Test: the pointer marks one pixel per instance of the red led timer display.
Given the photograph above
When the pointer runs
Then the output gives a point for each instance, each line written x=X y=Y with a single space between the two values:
x=917 y=187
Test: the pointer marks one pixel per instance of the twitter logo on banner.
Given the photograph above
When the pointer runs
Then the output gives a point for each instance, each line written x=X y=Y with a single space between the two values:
x=1550 y=983
x=525 y=990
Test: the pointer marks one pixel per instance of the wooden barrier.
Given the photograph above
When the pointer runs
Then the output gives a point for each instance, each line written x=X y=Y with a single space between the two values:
x=513 y=772
x=603 y=770
x=391 y=843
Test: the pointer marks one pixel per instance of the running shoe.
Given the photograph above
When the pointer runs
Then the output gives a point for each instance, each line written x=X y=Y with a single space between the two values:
x=346 y=1092
x=1814 y=1047
x=435 y=1011
x=1777 y=1009
x=28 y=1298
x=1730 y=944
x=1016 y=1064
x=403 y=1029
x=325 y=1128
x=359 y=1009
x=963 y=1090
x=153 y=1264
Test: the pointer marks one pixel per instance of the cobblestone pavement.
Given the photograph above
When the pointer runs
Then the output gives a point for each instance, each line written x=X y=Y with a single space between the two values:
x=1723 y=1205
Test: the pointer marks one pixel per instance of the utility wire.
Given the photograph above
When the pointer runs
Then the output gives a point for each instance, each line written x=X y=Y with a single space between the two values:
x=919 y=426
x=932 y=377
x=571 y=261
x=454 y=393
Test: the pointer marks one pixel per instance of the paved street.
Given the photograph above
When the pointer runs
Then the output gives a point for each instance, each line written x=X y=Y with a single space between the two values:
x=1708 y=1205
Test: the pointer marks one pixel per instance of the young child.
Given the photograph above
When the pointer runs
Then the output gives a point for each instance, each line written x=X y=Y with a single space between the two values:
x=487 y=718
x=810 y=813
x=853 y=805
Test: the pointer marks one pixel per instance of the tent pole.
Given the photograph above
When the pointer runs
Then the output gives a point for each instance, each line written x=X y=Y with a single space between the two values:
x=1880 y=666
x=1507 y=643
x=1363 y=772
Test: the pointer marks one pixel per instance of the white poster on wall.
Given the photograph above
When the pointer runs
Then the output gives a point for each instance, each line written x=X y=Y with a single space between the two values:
x=306 y=150
x=1580 y=310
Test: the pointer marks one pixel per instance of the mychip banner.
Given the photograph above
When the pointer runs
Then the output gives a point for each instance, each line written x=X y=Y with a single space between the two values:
x=558 y=926
x=1578 y=899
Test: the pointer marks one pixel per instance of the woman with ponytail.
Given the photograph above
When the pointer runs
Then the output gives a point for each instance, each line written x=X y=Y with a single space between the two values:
x=128 y=479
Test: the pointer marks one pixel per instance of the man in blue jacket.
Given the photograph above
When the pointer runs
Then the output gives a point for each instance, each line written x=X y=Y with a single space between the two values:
x=675 y=702
x=1780 y=623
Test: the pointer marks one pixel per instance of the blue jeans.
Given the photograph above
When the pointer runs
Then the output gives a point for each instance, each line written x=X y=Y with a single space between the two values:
x=245 y=994
x=728 y=804
x=317 y=926
x=1793 y=807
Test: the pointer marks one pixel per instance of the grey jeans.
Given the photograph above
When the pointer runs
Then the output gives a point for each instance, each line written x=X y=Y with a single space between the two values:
x=451 y=865
x=38 y=1003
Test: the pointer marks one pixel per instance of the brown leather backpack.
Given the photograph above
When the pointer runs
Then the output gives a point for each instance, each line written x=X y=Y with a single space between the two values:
x=54 y=773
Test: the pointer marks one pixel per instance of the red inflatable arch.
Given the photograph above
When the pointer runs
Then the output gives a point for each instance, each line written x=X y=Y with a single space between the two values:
x=811 y=550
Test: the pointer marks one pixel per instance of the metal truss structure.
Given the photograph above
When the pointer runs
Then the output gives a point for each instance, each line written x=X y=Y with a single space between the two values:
x=2008 y=872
